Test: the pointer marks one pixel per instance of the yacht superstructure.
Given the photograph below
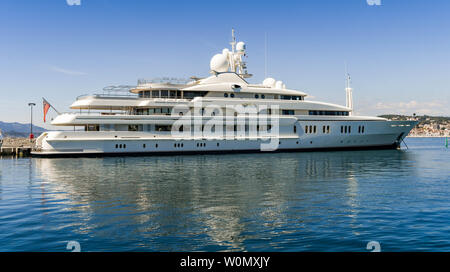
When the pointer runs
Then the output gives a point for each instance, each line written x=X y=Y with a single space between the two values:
x=219 y=113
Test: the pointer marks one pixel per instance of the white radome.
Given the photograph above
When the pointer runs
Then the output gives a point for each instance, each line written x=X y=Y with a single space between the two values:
x=279 y=84
x=269 y=82
x=240 y=47
x=219 y=63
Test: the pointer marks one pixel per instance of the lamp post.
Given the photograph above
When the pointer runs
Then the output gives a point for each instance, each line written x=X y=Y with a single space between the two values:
x=31 y=123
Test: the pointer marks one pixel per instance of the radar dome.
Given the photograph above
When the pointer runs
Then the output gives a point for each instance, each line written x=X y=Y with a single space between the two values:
x=269 y=82
x=240 y=47
x=225 y=51
x=219 y=63
x=279 y=84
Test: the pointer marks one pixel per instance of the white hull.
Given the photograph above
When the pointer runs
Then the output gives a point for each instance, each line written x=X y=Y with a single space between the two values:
x=379 y=134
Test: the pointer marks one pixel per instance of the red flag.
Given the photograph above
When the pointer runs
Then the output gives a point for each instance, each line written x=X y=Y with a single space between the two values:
x=46 y=107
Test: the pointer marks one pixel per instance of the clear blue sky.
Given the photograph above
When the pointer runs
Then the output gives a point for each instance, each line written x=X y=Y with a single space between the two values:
x=398 y=53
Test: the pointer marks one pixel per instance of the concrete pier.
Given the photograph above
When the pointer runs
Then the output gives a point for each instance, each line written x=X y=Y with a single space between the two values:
x=15 y=151
x=19 y=147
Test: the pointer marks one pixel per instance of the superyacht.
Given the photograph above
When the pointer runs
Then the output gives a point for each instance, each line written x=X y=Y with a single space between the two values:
x=221 y=113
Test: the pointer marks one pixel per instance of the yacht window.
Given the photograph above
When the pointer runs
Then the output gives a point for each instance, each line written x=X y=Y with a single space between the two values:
x=263 y=96
x=342 y=129
x=225 y=95
x=323 y=129
x=147 y=94
x=232 y=95
x=338 y=113
x=345 y=129
x=315 y=129
x=306 y=129
x=92 y=128
x=256 y=96
x=124 y=146
x=155 y=94
x=362 y=129
x=164 y=93
x=117 y=146
x=163 y=127
x=165 y=110
x=328 y=129
x=287 y=112
x=295 y=129
x=133 y=127
x=349 y=129
x=192 y=94
x=141 y=94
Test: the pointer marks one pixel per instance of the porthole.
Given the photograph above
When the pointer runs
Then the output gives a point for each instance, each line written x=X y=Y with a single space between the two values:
x=181 y=145
x=120 y=146
x=217 y=144
x=143 y=145
x=256 y=96
x=124 y=146
x=232 y=95
x=174 y=145
x=263 y=96
x=117 y=146
x=225 y=95
x=156 y=145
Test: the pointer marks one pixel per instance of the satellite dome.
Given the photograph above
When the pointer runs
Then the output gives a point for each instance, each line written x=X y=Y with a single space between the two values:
x=240 y=47
x=219 y=63
x=225 y=51
x=269 y=82
x=279 y=84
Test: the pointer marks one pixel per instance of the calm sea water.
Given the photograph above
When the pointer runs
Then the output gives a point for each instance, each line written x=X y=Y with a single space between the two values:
x=318 y=201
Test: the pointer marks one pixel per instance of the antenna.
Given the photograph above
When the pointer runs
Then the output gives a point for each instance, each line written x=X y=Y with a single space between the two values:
x=265 y=55
x=348 y=90
x=233 y=41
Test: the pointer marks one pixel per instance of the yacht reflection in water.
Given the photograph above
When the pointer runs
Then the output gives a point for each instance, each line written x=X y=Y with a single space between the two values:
x=213 y=202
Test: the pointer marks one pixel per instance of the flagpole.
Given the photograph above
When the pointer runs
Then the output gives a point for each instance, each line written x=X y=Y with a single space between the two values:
x=31 y=120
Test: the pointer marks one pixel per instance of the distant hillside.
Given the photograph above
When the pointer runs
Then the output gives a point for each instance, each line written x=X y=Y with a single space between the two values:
x=423 y=119
x=19 y=130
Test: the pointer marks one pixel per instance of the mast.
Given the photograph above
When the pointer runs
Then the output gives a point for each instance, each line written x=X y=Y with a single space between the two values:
x=348 y=91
